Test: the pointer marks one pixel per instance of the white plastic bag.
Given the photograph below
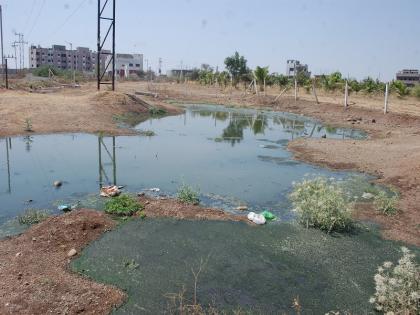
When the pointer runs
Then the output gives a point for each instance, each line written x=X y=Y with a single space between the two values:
x=256 y=218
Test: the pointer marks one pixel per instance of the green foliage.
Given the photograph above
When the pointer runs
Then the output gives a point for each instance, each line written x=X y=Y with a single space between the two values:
x=237 y=66
x=154 y=111
x=332 y=82
x=147 y=133
x=261 y=74
x=28 y=125
x=44 y=71
x=188 y=195
x=321 y=204
x=415 y=91
x=386 y=204
x=400 y=88
x=123 y=205
x=398 y=288
x=33 y=216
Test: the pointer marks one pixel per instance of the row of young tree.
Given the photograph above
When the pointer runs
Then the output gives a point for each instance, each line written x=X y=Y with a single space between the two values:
x=237 y=72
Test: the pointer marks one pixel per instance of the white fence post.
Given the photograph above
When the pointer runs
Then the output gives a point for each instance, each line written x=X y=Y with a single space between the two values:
x=295 y=90
x=386 y=98
x=346 y=95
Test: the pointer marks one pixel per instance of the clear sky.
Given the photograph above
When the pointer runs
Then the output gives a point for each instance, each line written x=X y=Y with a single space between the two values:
x=357 y=37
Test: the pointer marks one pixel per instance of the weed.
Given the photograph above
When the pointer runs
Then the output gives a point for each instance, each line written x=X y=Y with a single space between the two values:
x=131 y=264
x=154 y=111
x=416 y=91
x=398 y=288
x=28 y=125
x=123 y=205
x=321 y=204
x=33 y=216
x=188 y=195
x=147 y=133
x=385 y=204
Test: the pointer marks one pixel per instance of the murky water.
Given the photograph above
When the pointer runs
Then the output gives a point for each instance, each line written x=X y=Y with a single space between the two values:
x=232 y=156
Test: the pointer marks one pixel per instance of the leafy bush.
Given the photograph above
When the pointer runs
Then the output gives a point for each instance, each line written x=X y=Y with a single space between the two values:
x=154 y=111
x=398 y=288
x=387 y=205
x=188 y=195
x=416 y=91
x=33 y=216
x=321 y=204
x=400 y=88
x=123 y=205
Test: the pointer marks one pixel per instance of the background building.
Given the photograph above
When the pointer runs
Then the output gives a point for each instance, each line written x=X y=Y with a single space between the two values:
x=294 y=67
x=410 y=77
x=178 y=73
x=126 y=64
x=80 y=59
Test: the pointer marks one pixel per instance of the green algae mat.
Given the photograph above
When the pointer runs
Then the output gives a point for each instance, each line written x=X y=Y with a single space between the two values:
x=258 y=269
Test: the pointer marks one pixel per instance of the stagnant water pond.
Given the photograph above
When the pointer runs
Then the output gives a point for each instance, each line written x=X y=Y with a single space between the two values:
x=234 y=157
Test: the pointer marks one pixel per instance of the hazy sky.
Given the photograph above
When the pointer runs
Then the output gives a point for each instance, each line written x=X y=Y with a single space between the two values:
x=357 y=37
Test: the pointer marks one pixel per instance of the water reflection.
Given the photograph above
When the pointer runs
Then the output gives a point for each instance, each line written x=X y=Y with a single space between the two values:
x=103 y=147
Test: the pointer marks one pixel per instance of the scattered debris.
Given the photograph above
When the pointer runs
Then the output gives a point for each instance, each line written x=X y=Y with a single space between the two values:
x=58 y=183
x=154 y=189
x=242 y=208
x=268 y=215
x=110 y=191
x=324 y=136
x=367 y=196
x=256 y=218
x=72 y=252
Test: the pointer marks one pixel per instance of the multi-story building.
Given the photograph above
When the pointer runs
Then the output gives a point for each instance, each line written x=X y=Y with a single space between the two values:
x=80 y=59
x=294 y=67
x=125 y=64
x=410 y=77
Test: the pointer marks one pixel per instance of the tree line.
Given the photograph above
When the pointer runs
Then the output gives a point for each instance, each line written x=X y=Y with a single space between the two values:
x=237 y=73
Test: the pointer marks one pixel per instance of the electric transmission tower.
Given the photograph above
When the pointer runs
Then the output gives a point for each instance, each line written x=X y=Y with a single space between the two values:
x=21 y=44
x=111 y=27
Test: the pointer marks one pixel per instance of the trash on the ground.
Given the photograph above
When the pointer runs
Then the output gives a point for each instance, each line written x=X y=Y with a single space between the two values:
x=242 y=208
x=58 y=183
x=268 y=215
x=121 y=187
x=256 y=218
x=140 y=194
x=155 y=189
x=110 y=191
x=72 y=252
x=64 y=208
x=367 y=196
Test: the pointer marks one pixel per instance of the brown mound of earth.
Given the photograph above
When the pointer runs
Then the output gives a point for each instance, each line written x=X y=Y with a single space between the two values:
x=164 y=207
x=34 y=273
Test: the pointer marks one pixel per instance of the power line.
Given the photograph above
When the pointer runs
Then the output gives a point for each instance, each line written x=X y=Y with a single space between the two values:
x=69 y=17
x=37 y=17
x=30 y=15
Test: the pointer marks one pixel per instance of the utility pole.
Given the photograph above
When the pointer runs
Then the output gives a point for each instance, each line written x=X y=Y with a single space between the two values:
x=160 y=66
x=100 y=43
x=72 y=64
x=22 y=44
x=14 y=45
x=1 y=31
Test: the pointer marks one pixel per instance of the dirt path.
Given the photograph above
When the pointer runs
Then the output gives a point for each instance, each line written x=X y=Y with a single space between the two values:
x=33 y=269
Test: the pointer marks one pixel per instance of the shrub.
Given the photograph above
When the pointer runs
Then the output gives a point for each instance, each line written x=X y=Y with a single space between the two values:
x=123 y=205
x=416 y=91
x=321 y=204
x=387 y=205
x=188 y=195
x=33 y=216
x=398 y=288
x=154 y=111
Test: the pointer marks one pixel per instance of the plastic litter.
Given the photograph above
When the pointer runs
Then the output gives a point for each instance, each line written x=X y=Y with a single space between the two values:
x=256 y=218
x=268 y=215
x=110 y=191
x=367 y=196
x=155 y=189
x=67 y=208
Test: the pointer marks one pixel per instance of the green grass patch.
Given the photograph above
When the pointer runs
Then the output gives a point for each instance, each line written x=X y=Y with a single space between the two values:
x=33 y=216
x=187 y=194
x=386 y=204
x=154 y=111
x=123 y=205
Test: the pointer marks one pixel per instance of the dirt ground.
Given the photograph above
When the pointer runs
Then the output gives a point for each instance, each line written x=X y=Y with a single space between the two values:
x=34 y=274
x=71 y=110
x=175 y=209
